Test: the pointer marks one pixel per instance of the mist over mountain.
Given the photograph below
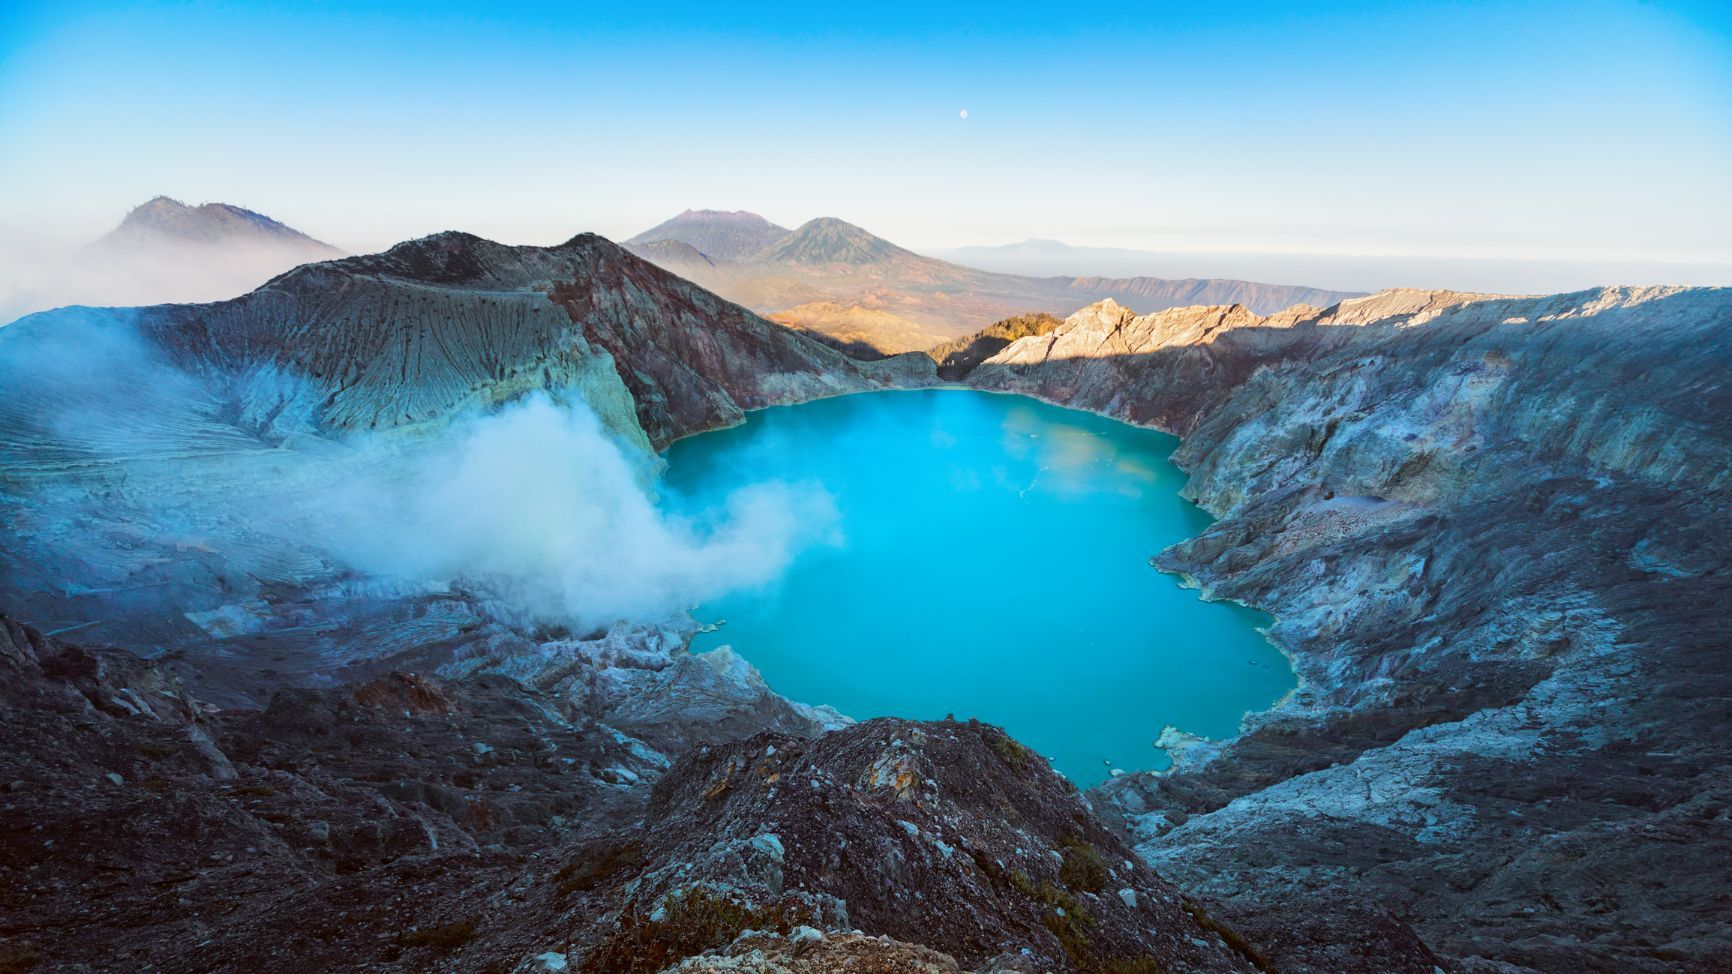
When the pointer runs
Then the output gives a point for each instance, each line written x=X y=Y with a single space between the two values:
x=166 y=222
x=834 y=278
x=163 y=251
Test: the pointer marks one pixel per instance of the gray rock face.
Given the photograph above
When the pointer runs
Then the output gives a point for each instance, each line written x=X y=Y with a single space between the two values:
x=343 y=828
x=477 y=824
x=946 y=834
x=1495 y=533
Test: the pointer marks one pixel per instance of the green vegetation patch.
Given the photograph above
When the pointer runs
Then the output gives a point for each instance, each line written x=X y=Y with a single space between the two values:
x=444 y=938
x=596 y=865
x=1084 y=867
x=1012 y=752
x=958 y=358
x=17 y=960
x=1244 y=948
x=698 y=921
x=1133 y=965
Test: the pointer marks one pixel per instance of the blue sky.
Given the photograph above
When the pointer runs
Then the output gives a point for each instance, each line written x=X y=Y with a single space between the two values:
x=1580 y=129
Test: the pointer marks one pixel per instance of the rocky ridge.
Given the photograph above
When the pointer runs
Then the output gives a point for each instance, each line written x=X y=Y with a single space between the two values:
x=435 y=325
x=1494 y=533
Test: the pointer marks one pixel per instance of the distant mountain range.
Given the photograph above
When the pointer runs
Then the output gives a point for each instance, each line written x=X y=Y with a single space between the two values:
x=722 y=234
x=835 y=279
x=1358 y=272
x=1042 y=257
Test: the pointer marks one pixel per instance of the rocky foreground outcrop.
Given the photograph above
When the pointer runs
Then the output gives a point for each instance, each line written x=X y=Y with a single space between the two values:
x=1496 y=533
x=411 y=823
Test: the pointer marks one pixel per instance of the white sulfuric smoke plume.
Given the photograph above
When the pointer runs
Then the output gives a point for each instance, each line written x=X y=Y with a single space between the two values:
x=541 y=504
x=116 y=457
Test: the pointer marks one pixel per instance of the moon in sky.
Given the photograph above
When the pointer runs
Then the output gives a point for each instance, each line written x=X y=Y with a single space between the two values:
x=965 y=113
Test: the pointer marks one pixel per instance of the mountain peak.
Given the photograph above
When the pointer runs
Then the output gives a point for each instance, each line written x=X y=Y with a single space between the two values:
x=449 y=257
x=828 y=240
x=458 y=259
x=722 y=234
x=165 y=220
x=1103 y=314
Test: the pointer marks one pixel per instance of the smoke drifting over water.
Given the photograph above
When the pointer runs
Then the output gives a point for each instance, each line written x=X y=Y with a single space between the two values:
x=541 y=503
x=110 y=455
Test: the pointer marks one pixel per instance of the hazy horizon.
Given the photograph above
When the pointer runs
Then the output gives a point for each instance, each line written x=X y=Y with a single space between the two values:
x=37 y=276
x=1594 y=131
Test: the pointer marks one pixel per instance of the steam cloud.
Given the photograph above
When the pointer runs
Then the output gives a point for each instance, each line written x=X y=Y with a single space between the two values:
x=541 y=504
x=36 y=276
x=537 y=504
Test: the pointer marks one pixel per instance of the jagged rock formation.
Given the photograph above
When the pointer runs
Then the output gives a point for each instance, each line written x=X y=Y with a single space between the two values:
x=958 y=358
x=835 y=278
x=1495 y=534
x=345 y=828
x=477 y=824
x=950 y=835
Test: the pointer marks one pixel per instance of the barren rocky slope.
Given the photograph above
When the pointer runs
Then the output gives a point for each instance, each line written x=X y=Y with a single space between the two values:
x=481 y=825
x=142 y=444
x=437 y=324
x=1496 y=534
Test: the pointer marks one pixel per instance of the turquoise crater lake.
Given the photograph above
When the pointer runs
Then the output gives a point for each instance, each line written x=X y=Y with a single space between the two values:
x=993 y=563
